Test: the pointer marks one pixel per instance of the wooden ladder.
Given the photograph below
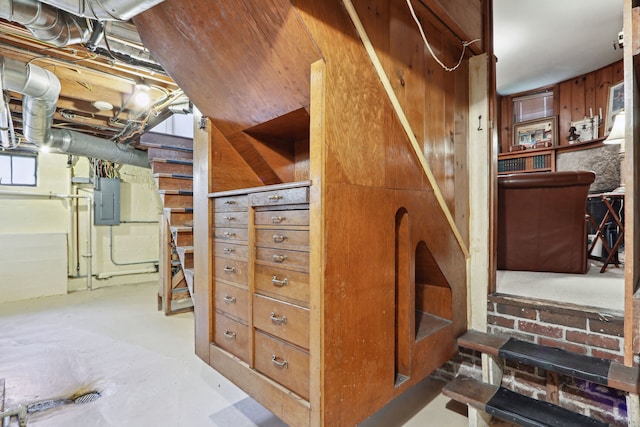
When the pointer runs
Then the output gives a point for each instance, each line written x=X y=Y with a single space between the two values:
x=521 y=410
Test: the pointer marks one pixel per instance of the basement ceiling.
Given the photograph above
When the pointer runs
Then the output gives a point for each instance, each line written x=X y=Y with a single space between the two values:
x=88 y=76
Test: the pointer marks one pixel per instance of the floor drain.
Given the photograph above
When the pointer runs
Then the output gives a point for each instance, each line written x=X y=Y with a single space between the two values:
x=43 y=405
x=87 y=397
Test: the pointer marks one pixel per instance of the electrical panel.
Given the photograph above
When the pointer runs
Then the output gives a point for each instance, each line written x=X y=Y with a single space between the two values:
x=106 y=201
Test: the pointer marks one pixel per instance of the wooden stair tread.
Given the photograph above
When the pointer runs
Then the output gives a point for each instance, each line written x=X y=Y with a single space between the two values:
x=513 y=407
x=181 y=229
x=188 y=275
x=174 y=161
x=185 y=249
x=186 y=210
x=172 y=175
x=167 y=147
x=601 y=371
x=177 y=192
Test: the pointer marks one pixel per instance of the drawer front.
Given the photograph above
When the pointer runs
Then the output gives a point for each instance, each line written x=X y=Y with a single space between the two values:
x=232 y=300
x=284 y=284
x=284 y=258
x=231 y=203
x=231 y=270
x=280 y=197
x=231 y=219
x=237 y=235
x=232 y=336
x=287 y=321
x=230 y=250
x=283 y=363
x=282 y=238
x=288 y=217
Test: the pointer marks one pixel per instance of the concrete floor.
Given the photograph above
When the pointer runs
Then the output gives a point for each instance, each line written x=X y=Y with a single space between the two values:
x=114 y=341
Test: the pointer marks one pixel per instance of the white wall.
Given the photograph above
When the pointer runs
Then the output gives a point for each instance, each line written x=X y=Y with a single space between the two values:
x=42 y=216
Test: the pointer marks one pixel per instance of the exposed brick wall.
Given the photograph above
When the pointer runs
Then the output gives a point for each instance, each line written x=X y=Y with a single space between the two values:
x=579 y=329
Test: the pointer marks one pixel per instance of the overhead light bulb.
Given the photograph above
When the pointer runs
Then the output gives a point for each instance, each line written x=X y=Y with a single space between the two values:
x=45 y=149
x=141 y=97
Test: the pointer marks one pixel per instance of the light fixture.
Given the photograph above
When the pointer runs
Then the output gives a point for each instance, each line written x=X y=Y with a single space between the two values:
x=616 y=136
x=141 y=96
x=102 y=105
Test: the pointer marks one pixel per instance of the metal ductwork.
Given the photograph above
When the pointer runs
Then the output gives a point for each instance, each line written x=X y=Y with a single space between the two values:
x=64 y=22
x=40 y=89
x=104 y=10
x=45 y=22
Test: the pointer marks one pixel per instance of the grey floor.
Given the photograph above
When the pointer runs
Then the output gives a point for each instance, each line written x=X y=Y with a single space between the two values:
x=594 y=289
x=114 y=341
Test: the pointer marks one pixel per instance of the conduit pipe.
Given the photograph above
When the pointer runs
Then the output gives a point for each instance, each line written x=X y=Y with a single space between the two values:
x=41 y=89
x=52 y=196
x=113 y=261
x=110 y=274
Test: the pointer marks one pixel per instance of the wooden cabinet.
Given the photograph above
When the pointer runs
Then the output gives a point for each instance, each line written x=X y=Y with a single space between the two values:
x=262 y=280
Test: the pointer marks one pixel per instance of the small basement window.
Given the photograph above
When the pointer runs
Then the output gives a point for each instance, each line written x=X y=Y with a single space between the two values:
x=533 y=106
x=18 y=169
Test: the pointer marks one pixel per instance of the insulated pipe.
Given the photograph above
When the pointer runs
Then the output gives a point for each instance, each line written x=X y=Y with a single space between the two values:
x=41 y=89
x=45 y=22
x=69 y=142
x=89 y=255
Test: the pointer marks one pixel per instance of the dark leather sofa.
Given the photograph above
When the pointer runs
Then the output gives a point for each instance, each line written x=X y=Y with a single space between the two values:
x=542 y=221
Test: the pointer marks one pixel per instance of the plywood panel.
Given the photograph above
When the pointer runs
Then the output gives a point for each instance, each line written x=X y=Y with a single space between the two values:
x=20 y=280
x=241 y=62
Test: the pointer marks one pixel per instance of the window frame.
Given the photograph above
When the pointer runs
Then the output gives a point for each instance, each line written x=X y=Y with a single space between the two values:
x=20 y=154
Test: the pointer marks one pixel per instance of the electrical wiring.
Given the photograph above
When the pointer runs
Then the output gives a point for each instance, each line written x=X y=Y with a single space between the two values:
x=426 y=42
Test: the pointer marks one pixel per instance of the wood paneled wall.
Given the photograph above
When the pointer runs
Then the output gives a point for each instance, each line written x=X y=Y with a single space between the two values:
x=572 y=100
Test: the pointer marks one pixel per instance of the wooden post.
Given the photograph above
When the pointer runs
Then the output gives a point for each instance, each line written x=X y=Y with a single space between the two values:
x=480 y=182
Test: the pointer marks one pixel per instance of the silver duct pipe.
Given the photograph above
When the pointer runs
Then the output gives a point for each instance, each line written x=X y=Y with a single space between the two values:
x=41 y=88
x=45 y=22
x=79 y=144
x=104 y=10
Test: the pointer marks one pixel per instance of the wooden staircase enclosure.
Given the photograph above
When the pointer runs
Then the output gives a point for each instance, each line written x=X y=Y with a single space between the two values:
x=171 y=160
x=526 y=411
x=322 y=321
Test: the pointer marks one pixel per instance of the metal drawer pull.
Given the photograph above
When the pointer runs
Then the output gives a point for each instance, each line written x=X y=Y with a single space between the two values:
x=228 y=235
x=279 y=239
x=275 y=197
x=228 y=269
x=229 y=218
x=229 y=202
x=228 y=299
x=277 y=363
x=279 y=283
x=230 y=335
x=277 y=219
x=229 y=250
x=278 y=320
x=279 y=258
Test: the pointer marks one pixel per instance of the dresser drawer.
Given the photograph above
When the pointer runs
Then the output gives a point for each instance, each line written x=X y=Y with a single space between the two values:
x=230 y=250
x=287 y=321
x=284 y=284
x=232 y=300
x=284 y=258
x=231 y=270
x=283 y=238
x=282 y=363
x=286 y=217
x=287 y=196
x=237 y=235
x=231 y=203
x=231 y=219
x=232 y=336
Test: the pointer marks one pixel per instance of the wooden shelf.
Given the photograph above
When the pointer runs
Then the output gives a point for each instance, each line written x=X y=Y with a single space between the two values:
x=536 y=160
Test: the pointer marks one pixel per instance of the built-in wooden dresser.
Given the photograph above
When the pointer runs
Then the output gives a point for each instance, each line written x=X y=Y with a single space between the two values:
x=261 y=280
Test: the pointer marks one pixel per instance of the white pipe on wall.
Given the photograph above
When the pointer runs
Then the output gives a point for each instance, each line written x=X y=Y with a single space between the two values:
x=110 y=274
